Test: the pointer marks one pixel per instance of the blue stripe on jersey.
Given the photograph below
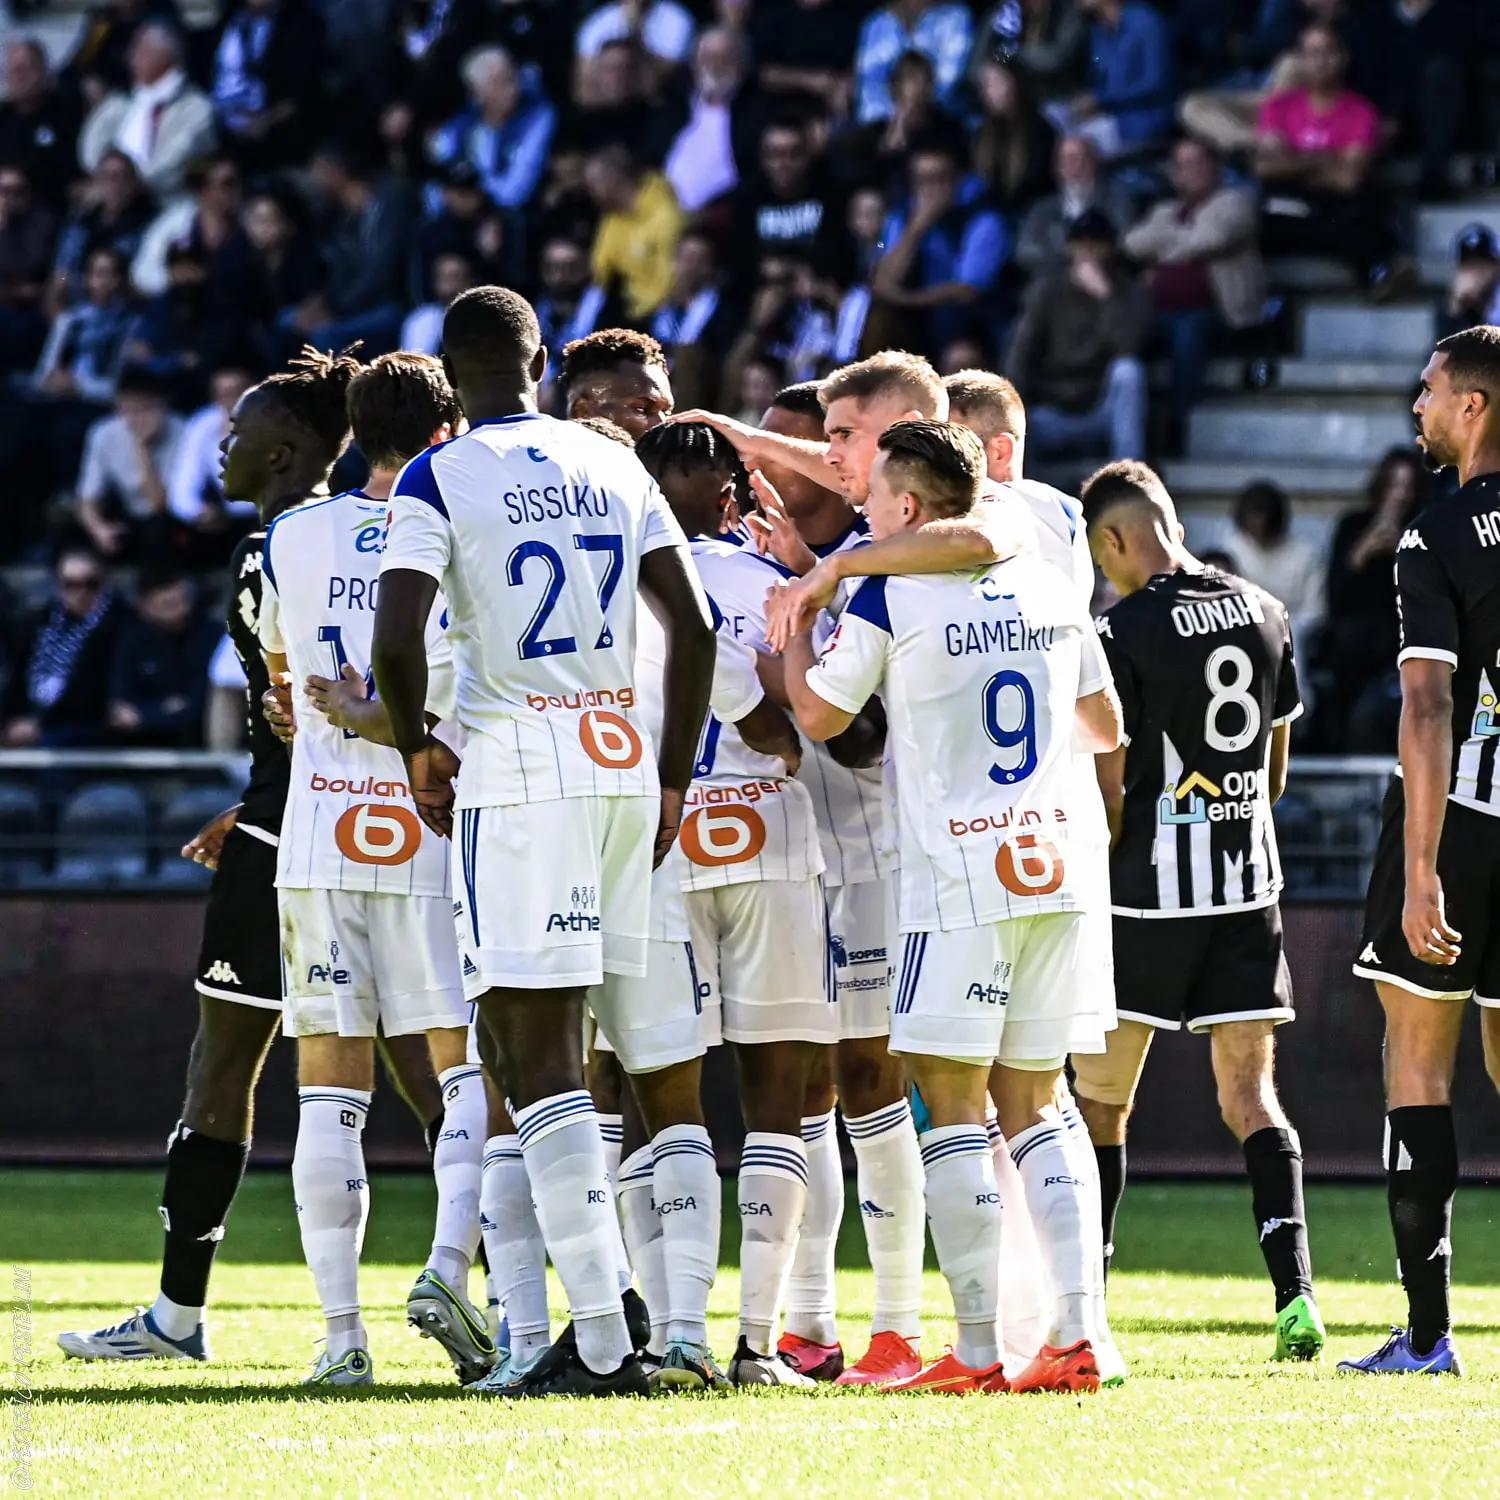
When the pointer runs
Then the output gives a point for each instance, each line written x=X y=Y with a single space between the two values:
x=418 y=482
x=868 y=602
x=857 y=527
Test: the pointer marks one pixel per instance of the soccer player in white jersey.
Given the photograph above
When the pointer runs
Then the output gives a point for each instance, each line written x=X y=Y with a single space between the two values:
x=751 y=859
x=539 y=534
x=858 y=834
x=366 y=914
x=990 y=963
x=990 y=406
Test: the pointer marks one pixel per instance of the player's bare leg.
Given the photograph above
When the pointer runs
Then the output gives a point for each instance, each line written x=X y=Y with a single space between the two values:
x=1037 y=1137
x=336 y=1079
x=407 y=1061
x=1244 y=1061
x=773 y=1082
x=1421 y=1049
x=963 y=1206
x=1489 y=1030
x=538 y=1050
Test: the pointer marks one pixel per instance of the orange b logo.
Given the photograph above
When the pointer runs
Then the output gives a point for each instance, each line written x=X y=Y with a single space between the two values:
x=723 y=835
x=1029 y=866
x=378 y=833
x=609 y=740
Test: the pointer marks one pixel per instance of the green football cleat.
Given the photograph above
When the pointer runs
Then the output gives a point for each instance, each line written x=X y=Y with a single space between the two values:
x=354 y=1369
x=438 y=1311
x=1299 y=1331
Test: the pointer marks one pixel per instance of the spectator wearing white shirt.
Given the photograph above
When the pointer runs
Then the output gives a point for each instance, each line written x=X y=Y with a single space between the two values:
x=162 y=124
x=662 y=27
x=701 y=163
x=194 y=494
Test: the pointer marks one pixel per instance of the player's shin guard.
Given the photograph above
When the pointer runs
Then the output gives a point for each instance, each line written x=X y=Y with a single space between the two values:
x=1422 y=1176
x=1064 y=1229
x=456 y=1164
x=203 y=1176
x=963 y=1206
x=513 y=1242
x=810 y=1304
x=333 y=1202
x=565 y=1161
x=1273 y=1158
x=688 y=1204
x=888 y=1167
x=772 y=1197
x=641 y=1230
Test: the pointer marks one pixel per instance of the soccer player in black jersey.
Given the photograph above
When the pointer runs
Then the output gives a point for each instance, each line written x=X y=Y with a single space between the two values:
x=1431 y=935
x=1203 y=664
x=285 y=436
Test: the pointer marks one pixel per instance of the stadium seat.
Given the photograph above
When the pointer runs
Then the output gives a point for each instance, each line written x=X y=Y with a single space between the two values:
x=101 y=836
x=185 y=813
x=22 y=857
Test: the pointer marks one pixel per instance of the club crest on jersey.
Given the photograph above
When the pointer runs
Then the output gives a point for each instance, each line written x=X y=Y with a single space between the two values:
x=1486 y=712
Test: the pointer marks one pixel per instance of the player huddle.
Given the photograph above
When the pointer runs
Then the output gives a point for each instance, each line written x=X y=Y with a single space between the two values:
x=861 y=792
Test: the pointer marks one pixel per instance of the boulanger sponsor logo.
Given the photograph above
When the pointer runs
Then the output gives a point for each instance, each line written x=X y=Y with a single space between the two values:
x=1197 y=799
x=585 y=698
x=1026 y=863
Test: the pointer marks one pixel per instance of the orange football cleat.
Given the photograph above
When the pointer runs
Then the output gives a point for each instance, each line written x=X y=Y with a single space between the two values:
x=816 y=1361
x=1073 y=1370
x=949 y=1377
x=888 y=1359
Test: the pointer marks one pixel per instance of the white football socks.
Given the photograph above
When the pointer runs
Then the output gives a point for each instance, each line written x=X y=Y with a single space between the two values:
x=810 y=1304
x=1056 y=1198
x=772 y=1197
x=565 y=1162
x=612 y=1133
x=173 y=1319
x=333 y=1202
x=1085 y=1167
x=456 y=1165
x=963 y=1207
x=513 y=1243
x=888 y=1164
x=1025 y=1295
x=688 y=1207
x=642 y=1233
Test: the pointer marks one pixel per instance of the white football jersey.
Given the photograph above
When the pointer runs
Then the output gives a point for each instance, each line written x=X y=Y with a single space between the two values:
x=736 y=690
x=535 y=530
x=1062 y=539
x=350 y=822
x=980 y=674
x=745 y=819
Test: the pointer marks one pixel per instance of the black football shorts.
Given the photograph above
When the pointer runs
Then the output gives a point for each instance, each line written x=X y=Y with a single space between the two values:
x=240 y=958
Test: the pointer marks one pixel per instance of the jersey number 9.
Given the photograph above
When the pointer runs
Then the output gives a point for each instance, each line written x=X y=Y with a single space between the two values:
x=1009 y=708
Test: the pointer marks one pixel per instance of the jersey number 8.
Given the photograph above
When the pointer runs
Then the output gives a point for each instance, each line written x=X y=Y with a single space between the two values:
x=1228 y=674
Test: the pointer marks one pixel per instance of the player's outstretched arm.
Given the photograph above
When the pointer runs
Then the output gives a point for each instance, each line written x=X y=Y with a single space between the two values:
x=670 y=586
x=1426 y=746
x=757 y=446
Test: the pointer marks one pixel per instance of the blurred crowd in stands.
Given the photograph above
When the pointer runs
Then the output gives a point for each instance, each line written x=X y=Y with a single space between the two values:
x=1077 y=192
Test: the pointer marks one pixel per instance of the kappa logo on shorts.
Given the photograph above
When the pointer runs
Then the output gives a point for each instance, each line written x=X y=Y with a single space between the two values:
x=1369 y=956
x=221 y=973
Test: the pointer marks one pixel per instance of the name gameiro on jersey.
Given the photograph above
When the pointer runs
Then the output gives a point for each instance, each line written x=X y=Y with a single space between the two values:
x=745 y=818
x=350 y=823
x=535 y=529
x=1204 y=666
x=1448 y=607
x=980 y=675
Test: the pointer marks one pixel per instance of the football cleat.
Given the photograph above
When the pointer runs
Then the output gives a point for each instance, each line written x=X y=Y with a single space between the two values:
x=136 y=1337
x=749 y=1368
x=1397 y=1357
x=949 y=1376
x=816 y=1361
x=561 y=1372
x=1112 y=1368
x=1073 y=1370
x=438 y=1312
x=355 y=1368
x=1299 y=1330
x=687 y=1367
x=509 y=1371
x=888 y=1359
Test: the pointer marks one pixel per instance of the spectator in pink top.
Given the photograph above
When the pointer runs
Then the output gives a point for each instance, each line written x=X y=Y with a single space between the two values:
x=1314 y=149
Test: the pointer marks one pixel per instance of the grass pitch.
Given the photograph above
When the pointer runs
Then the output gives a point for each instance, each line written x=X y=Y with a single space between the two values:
x=1203 y=1413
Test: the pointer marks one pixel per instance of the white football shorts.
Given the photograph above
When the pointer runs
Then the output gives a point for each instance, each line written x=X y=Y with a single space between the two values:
x=553 y=894
x=355 y=961
x=861 y=943
x=1018 y=991
x=761 y=949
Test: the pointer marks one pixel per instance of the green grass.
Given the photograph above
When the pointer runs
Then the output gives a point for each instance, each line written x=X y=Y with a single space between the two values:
x=1203 y=1414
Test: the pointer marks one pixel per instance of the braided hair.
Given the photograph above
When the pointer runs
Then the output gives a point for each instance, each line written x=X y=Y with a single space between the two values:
x=313 y=392
x=687 y=447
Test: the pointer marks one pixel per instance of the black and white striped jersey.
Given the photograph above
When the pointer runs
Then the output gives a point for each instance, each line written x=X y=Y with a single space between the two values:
x=1204 y=668
x=1448 y=604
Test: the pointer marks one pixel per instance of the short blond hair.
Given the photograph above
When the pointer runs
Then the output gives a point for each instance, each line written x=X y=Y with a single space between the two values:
x=892 y=372
x=989 y=402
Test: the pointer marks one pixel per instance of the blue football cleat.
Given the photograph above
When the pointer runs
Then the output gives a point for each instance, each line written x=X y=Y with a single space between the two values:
x=137 y=1337
x=1397 y=1357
